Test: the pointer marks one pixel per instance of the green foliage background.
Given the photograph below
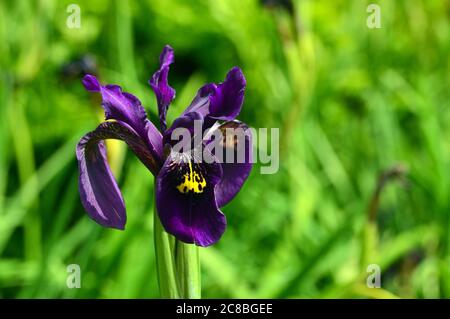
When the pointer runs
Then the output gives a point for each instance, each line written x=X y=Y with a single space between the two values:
x=350 y=103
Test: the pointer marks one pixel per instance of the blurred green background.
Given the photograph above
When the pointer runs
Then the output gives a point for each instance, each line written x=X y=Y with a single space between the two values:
x=364 y=153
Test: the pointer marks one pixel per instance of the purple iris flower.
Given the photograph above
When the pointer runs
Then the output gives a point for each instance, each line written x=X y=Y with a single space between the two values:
x=189 y=191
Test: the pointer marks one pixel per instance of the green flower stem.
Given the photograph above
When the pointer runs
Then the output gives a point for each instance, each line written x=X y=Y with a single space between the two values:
x=188 y=266
x=165 y=263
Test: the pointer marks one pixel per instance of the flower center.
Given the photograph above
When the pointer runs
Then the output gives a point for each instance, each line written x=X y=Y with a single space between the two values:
x=192 y=181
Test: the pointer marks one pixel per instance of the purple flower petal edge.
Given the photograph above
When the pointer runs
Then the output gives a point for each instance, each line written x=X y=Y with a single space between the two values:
x=227 y=99
x=159 y=83
x=98 y=189
x=126 y=108
x=236 y=172
x=100 y=195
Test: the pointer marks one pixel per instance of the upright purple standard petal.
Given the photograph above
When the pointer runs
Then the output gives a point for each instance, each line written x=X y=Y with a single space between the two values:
x=236 y=167
x=126 y=108
x=185 y=200
x=227 y=98
x=201 y=101
x=99 y=192
x=159 y=83
x=221 y=101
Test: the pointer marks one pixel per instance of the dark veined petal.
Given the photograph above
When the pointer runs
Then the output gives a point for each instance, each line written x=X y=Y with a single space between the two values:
x=126 y=108
x=186 y=121
x=237 y=141
x=159 y=83
x=99 y=192
x=227 y=97
x=185 y=200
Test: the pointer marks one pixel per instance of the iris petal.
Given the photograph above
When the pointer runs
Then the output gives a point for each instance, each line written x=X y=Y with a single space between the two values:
x=99 y=192
x=159 y=83
x=236 y=170
x=98 y=189
x=227 y=98
x=186 y=121
x=126 y=108
x=190 y=213
x=221 y=101
x=201 y=101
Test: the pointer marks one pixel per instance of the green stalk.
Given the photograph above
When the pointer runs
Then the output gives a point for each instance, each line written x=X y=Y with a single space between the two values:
x=188 y=266
x=165 y=264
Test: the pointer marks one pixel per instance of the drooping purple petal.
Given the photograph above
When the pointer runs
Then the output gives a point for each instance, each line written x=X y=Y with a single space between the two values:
x=98 y=189
x=185 y=200
x=236 y=160
x=126 y=108
x=99 y=192
x=227 y=98
x=159 y=83
x=118 y=105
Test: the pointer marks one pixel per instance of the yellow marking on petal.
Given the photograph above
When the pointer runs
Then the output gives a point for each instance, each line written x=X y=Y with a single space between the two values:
x=192 y=182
